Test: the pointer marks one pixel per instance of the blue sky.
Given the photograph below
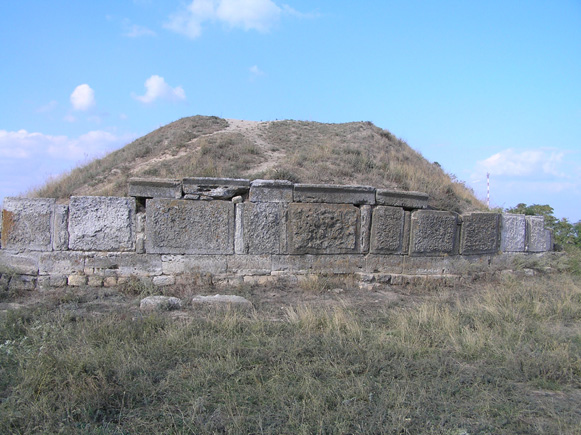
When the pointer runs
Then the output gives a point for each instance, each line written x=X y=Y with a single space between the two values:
x=489 y=86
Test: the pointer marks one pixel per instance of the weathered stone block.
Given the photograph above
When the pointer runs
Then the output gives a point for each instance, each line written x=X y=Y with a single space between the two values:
x=189 y=227
x=334 y=194
x=27 y=223
x=365 y=235
x=271 y=191
x=513 y=233
x=193 y=264
x=123 y=264
x=63 y=263
x=384 y=263
x=261 y=228
x=433 y=233
x=77 y=280
x=249 y=264
x=95 y=281
x=22 y=282
x=217 y=188
x=155 y=188
x=101 y=223
x=163 y=280
x=21 y=263
x=323 y=228
x=537 y=238
x=387 y=230
x=480 y=233
x=399 y=198
x=61 y=228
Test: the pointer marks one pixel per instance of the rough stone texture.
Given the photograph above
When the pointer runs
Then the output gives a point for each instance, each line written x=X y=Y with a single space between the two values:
x=433 y=233
x=193 y=264
x=399 y=198
x=323 y=228
x=165 y=303
x=249 y=264
x=222 y=300
x=61 y=228
x=22 y=263
x=189 y=227
x=334 y=194
x=387 y=229
x=22 y=282
x=27 y=223
x=513 y=233
x=155 y=188
x=57 y=280
x=271 y=191
x=164 y=280
x=63 y=263
x=123 y=264
x=365 y=228
x=95 y=281
x=77 y=280
x=384 y=263
x=261 y=228
x=480 y=233
x=537 y=238
x=217 y=188
x=101 y=223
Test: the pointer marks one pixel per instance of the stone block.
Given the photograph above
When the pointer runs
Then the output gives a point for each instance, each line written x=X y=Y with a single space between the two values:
x=27 y=223
x=63 y=263
x=160 y=303
x=387 y=230
x=110 y=281
x=189 y=227
x=261 y=228
x=77 y=280
x=513 y=233
x=101 y=223
x=338 y=264
x=334 y=194
x=538 y=240
x=57 y=280
x=249 y=264
x=193 y=264
x=323 y=228
x=124 y=264
x=399 y=198
x=22 y=282
x=384 y=263
x=433 y=233
x=216 y=188
x=60 y=240
x=163 y=280
x=95 y=281
x=292 y=263
x=365 y=235
x=21 y=263
x=155 y=188
x=271 y=191
x=480 y=233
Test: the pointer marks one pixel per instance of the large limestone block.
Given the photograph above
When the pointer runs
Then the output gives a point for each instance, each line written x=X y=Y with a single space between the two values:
x=123 y=264
x=323 y=228
x=480 y=233
x=189 y=227
x=61 y=263
x=25 y=263
x=261 y=228
x=334 y=194
x=155 y=188
x=513 y=233
x=61 y=228
x=433 y=233
x=27 y=223
x=387 y=230
x=538 y=239
x=101 y=223
x=193 y=264
x=271 y=191
x=399 y=198
x=214 y=188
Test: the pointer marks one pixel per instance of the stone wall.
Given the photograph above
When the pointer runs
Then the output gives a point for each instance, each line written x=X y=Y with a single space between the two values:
x=232 y=230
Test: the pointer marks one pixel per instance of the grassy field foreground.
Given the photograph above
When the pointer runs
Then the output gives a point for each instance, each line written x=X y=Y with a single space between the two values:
x=501 y=357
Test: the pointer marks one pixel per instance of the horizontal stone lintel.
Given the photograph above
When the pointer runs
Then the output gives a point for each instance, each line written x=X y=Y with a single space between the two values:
x=271 y=191
x=155 y=188
x=400 y=198
x=214 y=182
x=334 y=194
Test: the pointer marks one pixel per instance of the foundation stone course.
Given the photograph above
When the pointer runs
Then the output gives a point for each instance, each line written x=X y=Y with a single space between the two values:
x=101 y=223
x=189 y=227
x=27 y=223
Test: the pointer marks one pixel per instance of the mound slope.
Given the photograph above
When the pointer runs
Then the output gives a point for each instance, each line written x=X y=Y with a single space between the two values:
x=306 y=152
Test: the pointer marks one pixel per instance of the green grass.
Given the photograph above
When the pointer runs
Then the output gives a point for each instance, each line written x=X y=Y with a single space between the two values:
x=497 y=358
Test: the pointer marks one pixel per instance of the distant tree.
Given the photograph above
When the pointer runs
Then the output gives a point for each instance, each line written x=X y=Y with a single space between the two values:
x=565 y=232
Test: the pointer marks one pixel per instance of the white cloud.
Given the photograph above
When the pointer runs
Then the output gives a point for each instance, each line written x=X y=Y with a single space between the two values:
x=136 y=31
x=258 y=15
x=83 y=97
x=524 y=163
x=47 y=107
x=22 y=144
x=157 y=88
x=255 y=71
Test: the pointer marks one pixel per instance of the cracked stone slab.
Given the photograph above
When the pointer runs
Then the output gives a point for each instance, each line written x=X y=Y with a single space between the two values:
x=216 y=188
x=155 y=188
x=399 y=198
x=334 y=194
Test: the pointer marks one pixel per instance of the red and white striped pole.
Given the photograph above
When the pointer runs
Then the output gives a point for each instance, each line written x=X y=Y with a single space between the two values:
x=488 y=190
